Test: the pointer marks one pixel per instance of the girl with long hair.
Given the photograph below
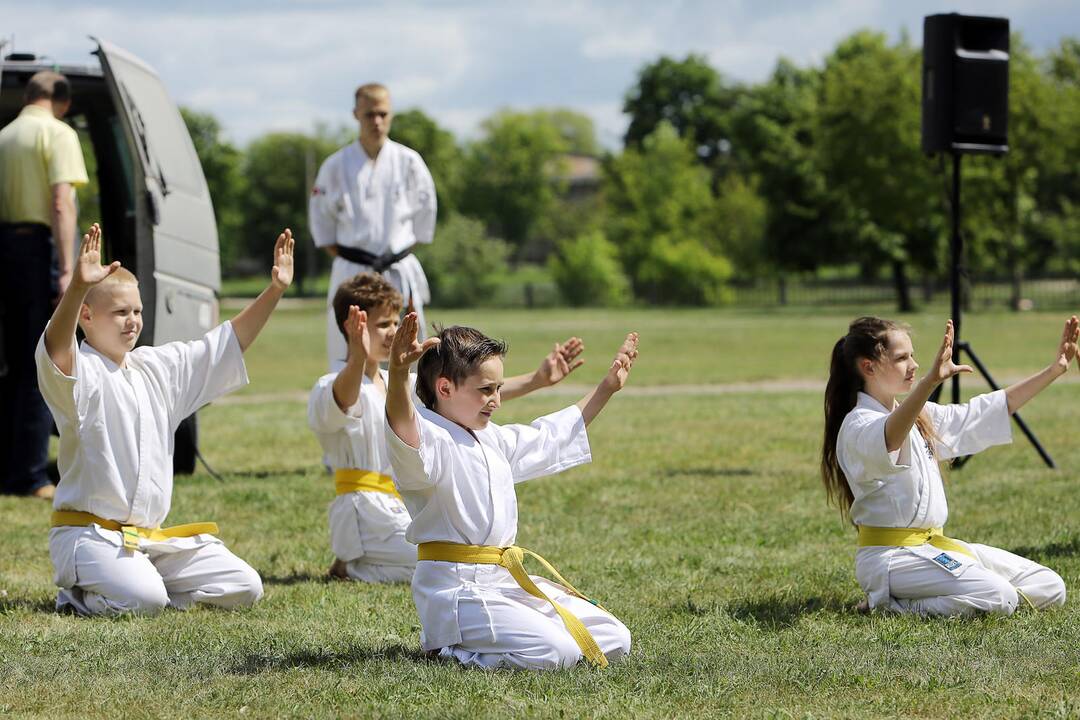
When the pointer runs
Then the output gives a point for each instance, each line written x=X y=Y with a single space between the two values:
x=880 y=462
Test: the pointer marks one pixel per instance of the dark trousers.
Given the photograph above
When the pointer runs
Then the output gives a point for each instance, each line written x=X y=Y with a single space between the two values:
x=27 y=288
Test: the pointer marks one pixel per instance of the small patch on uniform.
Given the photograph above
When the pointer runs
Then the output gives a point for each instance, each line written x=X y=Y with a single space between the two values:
x=946 y=561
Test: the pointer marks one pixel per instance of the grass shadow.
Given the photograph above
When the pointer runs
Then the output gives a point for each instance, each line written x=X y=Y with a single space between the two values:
x=777 y=613
x=297 y=578
x=1062 y=548
x=257 y=663
x=15 y=604
x=713 y=472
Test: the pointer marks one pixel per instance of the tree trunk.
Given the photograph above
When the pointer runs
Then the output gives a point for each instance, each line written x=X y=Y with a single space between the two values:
x=903 y=289
x=1017 y=288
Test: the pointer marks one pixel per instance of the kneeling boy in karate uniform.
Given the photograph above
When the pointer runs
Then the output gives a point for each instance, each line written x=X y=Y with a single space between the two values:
x=346 y=411
x=456 y=471
x=117 y=408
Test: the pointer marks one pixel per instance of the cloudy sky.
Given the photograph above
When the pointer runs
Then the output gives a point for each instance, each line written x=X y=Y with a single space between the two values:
x=269 y=65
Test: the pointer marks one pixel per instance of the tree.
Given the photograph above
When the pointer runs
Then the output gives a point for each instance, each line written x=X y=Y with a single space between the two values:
x=276 y=168
x=868 y=131
x=511 y=174
x=222 y=165
x=774 y=129
x=440 y=152
x=691 y=97
x=663 y=220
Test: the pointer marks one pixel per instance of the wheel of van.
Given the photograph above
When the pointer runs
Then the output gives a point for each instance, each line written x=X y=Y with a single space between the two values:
x=184 y=446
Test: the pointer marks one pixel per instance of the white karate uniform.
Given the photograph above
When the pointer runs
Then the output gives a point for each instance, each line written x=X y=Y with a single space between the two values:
x=459 y=488
x=115 y=460
x=367 y=528
x=903 y=489
x=380 y=206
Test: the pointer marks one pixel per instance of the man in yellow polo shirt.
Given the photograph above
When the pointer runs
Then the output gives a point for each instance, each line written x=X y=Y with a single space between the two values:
x=40 y=163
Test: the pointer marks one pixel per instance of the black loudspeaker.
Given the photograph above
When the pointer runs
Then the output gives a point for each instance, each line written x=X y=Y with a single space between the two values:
x=965 y=100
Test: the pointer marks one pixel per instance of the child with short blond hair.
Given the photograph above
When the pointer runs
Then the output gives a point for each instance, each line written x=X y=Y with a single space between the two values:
x=117 y=408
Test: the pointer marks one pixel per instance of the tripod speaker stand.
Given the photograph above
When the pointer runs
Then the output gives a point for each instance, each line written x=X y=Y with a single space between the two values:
x=963 y=347
x=965 y=109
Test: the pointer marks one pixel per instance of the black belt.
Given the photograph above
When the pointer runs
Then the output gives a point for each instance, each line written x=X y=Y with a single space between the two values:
x=378 y=263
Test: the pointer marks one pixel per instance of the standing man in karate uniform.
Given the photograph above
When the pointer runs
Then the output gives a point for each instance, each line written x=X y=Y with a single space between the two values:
x=373 y=202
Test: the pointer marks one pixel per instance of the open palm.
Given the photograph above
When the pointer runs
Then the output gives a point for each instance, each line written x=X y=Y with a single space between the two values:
x=88 y=268
x=623 y=362
x=944 y=367
x=406 y=349
x=1067 y=348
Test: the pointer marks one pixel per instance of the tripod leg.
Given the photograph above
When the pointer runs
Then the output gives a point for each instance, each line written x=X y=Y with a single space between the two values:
x=966 y=347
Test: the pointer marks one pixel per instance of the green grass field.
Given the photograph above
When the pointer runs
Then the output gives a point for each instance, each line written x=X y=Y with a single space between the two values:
x=701 y=523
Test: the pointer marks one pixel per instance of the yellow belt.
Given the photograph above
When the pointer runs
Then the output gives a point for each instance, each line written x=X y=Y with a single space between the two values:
x=910 y=537
x=74 y=518
x=512 y=559
x=352 y=480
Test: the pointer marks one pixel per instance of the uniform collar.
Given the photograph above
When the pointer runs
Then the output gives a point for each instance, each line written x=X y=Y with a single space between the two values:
x=109 y=364
x=868 y=401
x=457 y=432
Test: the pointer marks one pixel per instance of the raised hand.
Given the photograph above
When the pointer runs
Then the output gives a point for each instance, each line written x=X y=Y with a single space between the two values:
x=944 y=367
x=405 y=350
x=356 y=333
x=88 y=269
x=620 y=366
x=1067 y=348
x=282 y=273
x=561 y=361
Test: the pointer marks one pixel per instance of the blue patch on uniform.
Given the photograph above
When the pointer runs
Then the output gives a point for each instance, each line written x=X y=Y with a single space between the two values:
x=947 y=562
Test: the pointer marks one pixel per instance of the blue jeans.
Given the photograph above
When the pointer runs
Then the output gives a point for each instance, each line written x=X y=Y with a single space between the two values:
x=27 y=289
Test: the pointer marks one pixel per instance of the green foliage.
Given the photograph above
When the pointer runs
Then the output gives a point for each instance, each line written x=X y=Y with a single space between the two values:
x=464 y=265
x=222 y=164
x=277 y=168
x=512 y=173
x=742 y=214
x=663 y=220
x=440 y=151
x=690 y=96
x=587 y=271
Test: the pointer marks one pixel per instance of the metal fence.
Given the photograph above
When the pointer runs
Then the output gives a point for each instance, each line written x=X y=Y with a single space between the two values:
x=983 y=293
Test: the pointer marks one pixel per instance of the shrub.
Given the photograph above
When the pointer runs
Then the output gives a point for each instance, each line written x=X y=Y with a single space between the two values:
x=587 y=271
x=464 y=265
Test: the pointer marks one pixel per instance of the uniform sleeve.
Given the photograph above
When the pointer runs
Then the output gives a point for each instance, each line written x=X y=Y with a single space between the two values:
x=322 y=205
x=201 y=370
x=65 y=159
x=422 y=199
x=861 y=449
x=60 y=391
x=549 y=445
x=417 y=468
x=324 y=415
x=973 y=426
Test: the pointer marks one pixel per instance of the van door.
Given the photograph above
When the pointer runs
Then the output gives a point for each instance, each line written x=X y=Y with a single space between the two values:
x=177 y=258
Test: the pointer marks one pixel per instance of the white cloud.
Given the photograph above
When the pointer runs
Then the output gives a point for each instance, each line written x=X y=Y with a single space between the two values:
x=276 y=65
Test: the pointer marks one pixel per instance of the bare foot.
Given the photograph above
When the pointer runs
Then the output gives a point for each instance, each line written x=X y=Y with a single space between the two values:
x=45 y=492
x=338 y=570
x=863 y=608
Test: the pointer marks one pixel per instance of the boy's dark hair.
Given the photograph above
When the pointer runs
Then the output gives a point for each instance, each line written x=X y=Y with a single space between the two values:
x=367 y=291
x=456 y=357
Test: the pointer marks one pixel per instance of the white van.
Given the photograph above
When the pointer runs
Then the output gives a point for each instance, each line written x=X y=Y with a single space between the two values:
x=154 y=206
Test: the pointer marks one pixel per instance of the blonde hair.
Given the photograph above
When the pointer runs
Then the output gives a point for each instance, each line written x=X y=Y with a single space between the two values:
x=372 y=92
x=122 y=276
